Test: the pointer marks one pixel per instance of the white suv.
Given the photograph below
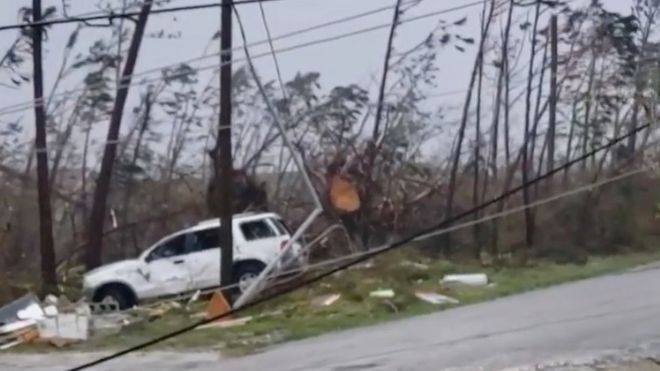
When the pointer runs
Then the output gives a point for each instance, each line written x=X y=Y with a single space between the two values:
x=189 y=260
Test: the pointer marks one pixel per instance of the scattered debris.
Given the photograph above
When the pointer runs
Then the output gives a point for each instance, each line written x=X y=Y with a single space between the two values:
x=156 y=311
x=9 y=313
x=17 y=337
x=227 y=323
x=51 y=300
x=18 y=321
x=50 y=310
x=110 y=323
x=366 y=265
x=475 y=279
x=101 y=308
x=384 y=294
x=194 y=297
x=391 y=305
x=32 y=311
x=437 y=299
x=420 y=266
x=325 y=300
x=66 y=326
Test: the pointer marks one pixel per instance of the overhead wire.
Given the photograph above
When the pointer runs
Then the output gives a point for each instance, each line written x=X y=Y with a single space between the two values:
x=111 y=17
x=272 y=51
x=431 y=231
x=67 y=94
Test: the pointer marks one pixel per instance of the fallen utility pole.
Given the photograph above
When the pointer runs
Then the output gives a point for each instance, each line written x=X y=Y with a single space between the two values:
x=221 y=154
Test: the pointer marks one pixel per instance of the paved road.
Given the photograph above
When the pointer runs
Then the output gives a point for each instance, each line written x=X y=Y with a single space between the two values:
x=611 y=315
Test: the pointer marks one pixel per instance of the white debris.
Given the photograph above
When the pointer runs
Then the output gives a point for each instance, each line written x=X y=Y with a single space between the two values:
x=383 y=294
x=68 y=326
x=437 y=299
x=325 y=300
x=195 y=297
x=227 y=323
x=50 y=311
x=17 y=325
x=51 y=299
x=108 y=323
x=420 y=266
x=475 y=279
x=32 y=311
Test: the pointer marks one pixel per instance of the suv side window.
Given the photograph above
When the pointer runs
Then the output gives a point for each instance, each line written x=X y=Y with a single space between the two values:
x=173 y=247
x=257 y=229
x=204 y=240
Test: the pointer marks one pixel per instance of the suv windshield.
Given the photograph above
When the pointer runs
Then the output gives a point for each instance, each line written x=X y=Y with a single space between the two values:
x=257 y=229
x=281 y=227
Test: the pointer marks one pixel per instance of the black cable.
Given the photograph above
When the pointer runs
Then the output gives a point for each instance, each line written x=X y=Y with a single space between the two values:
x=112 y=16
x=363 y=258
x=272 y=51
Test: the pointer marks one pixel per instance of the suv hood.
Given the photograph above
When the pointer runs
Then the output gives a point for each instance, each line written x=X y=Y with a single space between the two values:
x=120 y=267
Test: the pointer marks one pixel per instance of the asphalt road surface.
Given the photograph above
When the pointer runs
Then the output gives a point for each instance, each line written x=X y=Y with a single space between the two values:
x=611 y=316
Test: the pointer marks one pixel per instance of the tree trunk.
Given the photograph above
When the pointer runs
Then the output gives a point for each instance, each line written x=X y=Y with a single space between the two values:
x=372 y=147
x=94 y=248
x=461 y=131
x=529 y=217
x=477 y=152
x=587 y=109
x=569 y=142
x=130 y=183
x=47 y=248
x=552 y=119
x=498 y=95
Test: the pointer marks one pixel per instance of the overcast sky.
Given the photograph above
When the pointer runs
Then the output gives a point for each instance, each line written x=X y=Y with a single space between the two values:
x=356 y=59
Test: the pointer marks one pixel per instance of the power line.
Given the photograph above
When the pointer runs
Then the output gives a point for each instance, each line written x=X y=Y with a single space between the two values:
x=272 y=50
x=111 y=17
x=27 y=105
x=401 y=243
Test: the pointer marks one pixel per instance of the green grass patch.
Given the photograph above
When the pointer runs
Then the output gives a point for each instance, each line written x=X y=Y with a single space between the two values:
x=292 y=316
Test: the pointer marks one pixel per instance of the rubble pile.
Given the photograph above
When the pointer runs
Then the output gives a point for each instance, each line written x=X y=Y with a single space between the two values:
x=58 y=321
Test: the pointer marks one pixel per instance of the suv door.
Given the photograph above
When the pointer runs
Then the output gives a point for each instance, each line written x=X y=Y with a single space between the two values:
x=168 y=272
x=204 y=258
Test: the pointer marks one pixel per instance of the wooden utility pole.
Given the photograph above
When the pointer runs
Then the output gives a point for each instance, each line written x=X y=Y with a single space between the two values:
x=47 y=250
x=221 y=154
x=553 y=96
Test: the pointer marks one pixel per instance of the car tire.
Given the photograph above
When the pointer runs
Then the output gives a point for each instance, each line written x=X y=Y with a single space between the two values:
x=244 y=272
x=118 y=295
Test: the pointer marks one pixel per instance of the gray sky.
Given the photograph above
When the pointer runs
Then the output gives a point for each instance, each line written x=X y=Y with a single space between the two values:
x=353 y=60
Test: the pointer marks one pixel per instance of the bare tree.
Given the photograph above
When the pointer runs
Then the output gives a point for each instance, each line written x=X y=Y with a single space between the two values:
x=526 y=160
x=464 y=118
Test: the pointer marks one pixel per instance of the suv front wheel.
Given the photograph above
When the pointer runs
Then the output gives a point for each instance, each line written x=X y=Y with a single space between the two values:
x=245 y=273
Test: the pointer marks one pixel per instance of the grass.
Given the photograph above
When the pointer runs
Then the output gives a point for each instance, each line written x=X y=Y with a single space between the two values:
x=292 y=316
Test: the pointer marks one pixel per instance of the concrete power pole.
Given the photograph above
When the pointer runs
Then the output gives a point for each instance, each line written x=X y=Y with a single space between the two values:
x=222 y=152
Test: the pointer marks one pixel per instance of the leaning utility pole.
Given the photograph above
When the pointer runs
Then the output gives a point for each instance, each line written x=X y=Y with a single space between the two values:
x=47 y=250
x=221 y=154
x=553 y=95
